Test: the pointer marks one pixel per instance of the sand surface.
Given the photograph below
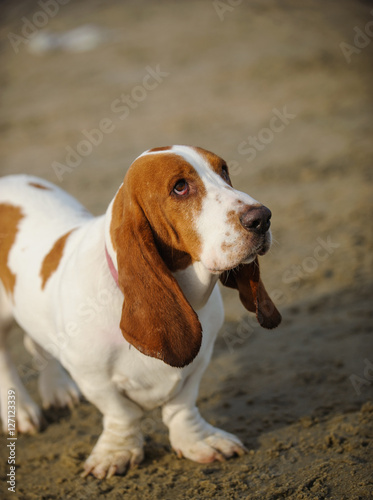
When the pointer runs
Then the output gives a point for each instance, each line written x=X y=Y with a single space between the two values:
x=300 y=397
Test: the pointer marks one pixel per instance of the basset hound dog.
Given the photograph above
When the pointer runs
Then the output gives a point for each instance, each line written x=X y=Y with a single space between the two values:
x=125 y=308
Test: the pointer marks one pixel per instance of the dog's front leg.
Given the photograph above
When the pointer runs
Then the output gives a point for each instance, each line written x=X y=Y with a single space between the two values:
x=190 y=435
x=120 y=446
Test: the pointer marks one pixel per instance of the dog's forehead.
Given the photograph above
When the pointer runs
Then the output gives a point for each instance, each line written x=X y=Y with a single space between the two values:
x=202 y=161
x=214 y=161
x=160 y=165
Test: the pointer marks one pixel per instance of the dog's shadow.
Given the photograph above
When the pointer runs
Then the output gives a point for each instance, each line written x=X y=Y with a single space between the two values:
x=259 y=382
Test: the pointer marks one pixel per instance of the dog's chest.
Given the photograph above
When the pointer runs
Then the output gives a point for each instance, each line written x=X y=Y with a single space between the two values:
x=151 y=387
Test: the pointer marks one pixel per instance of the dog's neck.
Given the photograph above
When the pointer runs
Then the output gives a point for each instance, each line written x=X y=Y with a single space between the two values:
x=113 y=270
x=195 y=281
x=197 y=284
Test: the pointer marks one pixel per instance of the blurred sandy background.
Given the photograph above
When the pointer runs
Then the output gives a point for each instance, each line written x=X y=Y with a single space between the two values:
x=282 y=91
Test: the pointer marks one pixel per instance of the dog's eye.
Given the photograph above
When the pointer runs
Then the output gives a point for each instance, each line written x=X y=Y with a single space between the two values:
x=181 y=188
x=225 y=174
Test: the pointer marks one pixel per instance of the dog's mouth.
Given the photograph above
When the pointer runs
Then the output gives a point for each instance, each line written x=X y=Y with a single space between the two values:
x=261 y=250
x=259 y=247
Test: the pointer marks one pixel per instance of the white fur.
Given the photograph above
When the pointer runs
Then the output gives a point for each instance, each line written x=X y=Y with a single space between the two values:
x=74 y=323
x=213 y=226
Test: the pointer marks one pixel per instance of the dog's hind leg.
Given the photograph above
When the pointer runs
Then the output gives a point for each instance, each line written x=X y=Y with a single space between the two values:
x=56 y=387
x=17 y=409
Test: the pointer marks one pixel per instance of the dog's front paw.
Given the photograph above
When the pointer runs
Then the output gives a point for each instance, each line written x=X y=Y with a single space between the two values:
x=105 y=464
x=217 y=446
x=114 y=454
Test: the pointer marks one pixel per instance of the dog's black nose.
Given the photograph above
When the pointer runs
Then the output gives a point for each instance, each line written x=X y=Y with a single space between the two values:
x=256 y=219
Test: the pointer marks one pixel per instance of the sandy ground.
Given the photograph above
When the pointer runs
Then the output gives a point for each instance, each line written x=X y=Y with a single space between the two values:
x=300 y=397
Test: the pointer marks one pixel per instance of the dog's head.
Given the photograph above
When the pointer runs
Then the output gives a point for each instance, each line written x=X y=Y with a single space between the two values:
x=177 y=206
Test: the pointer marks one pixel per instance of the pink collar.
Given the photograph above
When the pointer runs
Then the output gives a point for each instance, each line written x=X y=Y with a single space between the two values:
x=113 y=271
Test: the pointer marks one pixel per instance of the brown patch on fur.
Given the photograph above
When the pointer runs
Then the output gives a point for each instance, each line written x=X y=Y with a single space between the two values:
x=150 y=182
x=233 y=219
x=163 y=148
x=153 y=234
x=226 y=247
x=10 y=217
x=215 y=162
x=39 y=186
x=53 y=258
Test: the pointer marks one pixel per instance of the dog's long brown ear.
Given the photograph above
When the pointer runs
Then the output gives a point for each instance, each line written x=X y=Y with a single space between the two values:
x=253 y=295
x=156 y=317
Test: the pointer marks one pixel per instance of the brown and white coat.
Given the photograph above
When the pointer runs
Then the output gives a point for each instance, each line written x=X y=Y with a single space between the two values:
x=128 y=303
